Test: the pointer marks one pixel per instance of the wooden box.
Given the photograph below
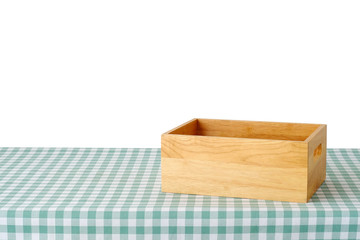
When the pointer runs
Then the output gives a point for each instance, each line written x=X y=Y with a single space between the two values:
x=246 y=159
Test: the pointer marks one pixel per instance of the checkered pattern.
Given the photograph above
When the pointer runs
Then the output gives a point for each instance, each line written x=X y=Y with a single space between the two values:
x=103 y=193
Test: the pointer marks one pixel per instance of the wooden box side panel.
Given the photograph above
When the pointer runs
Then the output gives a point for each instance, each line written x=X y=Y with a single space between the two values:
x=188 y=128
x=255 y=129
x=247 y=168
x=316 y=160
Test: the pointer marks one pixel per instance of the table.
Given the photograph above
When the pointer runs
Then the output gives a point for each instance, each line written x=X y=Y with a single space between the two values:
x=114 y=193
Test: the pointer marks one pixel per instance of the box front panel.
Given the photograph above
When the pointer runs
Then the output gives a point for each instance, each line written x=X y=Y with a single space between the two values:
x=234 y=167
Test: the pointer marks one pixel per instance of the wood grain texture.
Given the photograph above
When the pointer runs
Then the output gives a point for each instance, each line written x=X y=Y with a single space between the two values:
x=224 y=164
x=277 y=153
x=316 y=163
x=188 y=128
x=253 y=129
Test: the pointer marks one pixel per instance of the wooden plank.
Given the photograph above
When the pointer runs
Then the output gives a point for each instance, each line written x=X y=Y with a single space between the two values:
x=287 y=154
x=255 y=129
x=193 y=176
x=316 y=160
x=188 y=128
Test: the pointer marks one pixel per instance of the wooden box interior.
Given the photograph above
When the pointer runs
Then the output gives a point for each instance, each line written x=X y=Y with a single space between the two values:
x=247 y=129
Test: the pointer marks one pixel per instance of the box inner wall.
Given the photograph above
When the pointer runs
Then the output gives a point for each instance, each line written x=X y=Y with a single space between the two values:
x=247 y=129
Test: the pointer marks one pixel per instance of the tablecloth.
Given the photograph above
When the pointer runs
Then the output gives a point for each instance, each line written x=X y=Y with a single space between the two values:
x=109 y=193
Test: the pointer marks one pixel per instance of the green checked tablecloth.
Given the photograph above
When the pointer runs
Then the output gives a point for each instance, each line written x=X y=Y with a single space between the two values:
x=106 y=193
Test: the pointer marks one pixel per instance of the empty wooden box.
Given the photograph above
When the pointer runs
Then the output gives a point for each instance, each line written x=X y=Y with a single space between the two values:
x=246 y=159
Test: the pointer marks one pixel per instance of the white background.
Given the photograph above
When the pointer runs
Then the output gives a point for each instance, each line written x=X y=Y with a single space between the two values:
x=120 y=73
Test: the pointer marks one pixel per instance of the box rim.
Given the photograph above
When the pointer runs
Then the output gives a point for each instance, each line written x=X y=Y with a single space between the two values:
x=181 y=125
x=311 y=136
x=258 y=121
x=259 y=139
x=315 y=132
